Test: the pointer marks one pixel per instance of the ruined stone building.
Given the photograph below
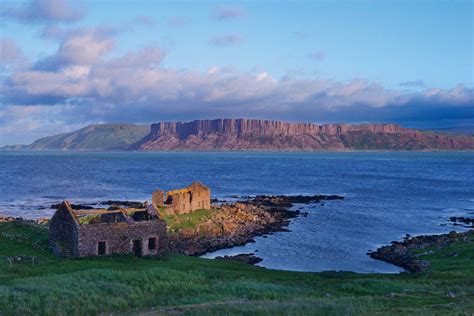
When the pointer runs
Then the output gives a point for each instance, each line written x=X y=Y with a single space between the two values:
x=183 y=201
x=79 y=233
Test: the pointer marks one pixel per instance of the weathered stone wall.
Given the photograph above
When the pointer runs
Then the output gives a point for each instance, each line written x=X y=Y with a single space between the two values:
x=119 y=237
x=180 y=203
x=158 y=198
x=194 y=197
x=63 y=232
x=200 y=196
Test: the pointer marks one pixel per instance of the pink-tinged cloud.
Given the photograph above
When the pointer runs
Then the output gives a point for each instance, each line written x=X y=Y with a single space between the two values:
x=10 y=53
x=45 y=11
x=78 y=47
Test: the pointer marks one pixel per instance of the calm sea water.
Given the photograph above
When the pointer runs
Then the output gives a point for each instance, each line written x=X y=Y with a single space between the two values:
x=387 y=194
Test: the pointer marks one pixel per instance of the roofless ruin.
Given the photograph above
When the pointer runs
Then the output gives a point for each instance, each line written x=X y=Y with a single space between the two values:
x=142 y=232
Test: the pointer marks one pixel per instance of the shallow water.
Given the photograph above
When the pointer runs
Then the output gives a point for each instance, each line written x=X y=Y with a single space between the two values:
x=387 y=194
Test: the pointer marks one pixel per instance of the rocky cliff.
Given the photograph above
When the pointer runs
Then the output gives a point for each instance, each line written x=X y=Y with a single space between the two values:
x=251 y=134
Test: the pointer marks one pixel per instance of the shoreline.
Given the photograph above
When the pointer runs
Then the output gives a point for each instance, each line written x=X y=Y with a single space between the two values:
x=238 y=223
x=242 y=151
x=233 y=224
x=407 y=253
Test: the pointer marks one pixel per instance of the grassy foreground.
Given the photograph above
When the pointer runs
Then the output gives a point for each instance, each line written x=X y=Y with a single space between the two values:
x=128 y=285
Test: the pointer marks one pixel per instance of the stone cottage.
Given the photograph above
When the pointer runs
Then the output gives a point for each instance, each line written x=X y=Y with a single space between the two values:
x=79 y=233
x=182 y=201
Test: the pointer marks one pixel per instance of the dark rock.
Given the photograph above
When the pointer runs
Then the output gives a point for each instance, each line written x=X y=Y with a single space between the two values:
x=75 y=206
x=462 y=221
x=126 y=204
x=248 y=258
x=289 y=200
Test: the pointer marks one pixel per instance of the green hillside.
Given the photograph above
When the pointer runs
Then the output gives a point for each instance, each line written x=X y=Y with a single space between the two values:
x=193 y=286
x=92 y=137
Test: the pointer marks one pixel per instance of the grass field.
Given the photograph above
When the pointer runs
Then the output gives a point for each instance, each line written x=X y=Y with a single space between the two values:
x=128 y=285
x=189 y=220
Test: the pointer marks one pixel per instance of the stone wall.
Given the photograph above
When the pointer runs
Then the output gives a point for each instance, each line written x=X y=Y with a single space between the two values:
x=63 y=232
x=200 y=196
x=178 y=203
x=119 y=237
x=69 y=238
x=158 y=198
x=183 y=201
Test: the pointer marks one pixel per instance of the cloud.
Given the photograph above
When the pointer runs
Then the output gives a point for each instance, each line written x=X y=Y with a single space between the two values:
x=227 y=12
x=413 y=84
x=78 y=47
x=316 y=56
x=45 y=11
x=226 y=40
x=10 y=53
x=179 y=21
x=137 y=86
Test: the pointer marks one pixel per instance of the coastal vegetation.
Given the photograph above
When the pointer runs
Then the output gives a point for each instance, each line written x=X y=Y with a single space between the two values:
x=191 y=220
x=33 y=281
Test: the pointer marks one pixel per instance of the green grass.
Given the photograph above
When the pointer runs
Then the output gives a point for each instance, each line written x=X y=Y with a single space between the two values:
x=128 y=285
x=190 y=220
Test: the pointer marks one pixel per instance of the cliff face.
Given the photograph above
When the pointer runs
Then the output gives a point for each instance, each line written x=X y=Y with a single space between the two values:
x=249 y=134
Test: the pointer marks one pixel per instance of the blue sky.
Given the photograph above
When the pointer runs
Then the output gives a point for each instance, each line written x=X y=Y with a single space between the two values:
x=410 y=62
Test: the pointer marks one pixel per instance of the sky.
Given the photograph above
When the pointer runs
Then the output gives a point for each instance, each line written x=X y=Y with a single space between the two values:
x=66 y=64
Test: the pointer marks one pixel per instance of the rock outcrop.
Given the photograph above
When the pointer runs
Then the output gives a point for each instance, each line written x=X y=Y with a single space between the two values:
x=248 y=258
x=233 y=225
x=403 y=254
x=251 y=134
x=238 y=223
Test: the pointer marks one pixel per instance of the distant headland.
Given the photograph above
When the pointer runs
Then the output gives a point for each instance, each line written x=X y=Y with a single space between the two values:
x=249 y=134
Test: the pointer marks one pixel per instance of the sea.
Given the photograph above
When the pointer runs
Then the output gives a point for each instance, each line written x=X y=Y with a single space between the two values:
x=387 y=194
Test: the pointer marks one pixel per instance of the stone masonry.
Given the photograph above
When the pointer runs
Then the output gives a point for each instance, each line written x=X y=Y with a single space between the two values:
x=102 y=232
x=183 y=201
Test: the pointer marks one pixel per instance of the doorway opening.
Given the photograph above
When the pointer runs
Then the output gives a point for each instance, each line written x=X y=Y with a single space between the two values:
x=137 y=247
x=101 y=248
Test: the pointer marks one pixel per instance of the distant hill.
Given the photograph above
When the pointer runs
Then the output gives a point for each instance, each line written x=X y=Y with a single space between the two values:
x=249 y=134
x=92 y=137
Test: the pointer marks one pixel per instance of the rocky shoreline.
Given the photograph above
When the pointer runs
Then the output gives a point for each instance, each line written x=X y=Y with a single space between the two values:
x=230 y=225
x=406 y=253
x=237 y=224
